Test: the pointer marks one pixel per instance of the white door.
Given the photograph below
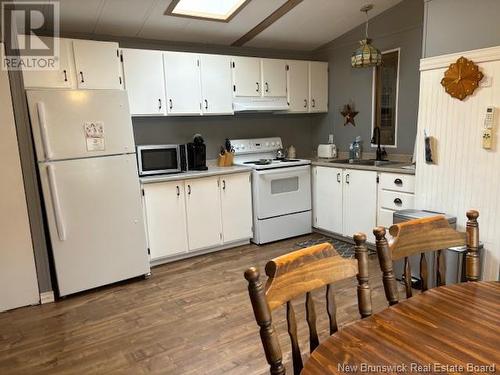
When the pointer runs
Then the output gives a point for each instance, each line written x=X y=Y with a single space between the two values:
x=182 y=81
x=59 y=119
x=318 y=86
x=165 y=218
x=18 y=278
x=246 y=76
x=282 y=191
x=64 y=77
x=236 y=202
x=95 y=219
x=273 y=77
x=144 y=82
x=298 y=86
x=216 y=91
x=97 y=64
x=203 y=213
x=327 y=199
x=360 y=202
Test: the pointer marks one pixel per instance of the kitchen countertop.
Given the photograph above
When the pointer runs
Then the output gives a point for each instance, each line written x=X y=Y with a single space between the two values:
x=213 y=170
x=395 y=167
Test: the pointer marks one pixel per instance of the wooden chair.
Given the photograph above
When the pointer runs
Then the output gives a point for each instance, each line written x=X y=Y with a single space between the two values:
x=298 y=273
x=419 y=236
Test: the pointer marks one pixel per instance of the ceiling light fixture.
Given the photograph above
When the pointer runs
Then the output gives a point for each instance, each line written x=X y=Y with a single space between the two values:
x=366 y=55
x=212 y=10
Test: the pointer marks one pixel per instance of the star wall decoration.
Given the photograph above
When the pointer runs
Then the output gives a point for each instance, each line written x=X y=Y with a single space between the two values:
x=349 y=113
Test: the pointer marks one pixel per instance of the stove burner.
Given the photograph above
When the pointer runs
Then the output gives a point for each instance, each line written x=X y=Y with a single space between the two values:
x=259 y=162
x=287 y=160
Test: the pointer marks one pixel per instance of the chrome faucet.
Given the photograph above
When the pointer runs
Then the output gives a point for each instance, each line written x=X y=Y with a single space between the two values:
x=376 y=139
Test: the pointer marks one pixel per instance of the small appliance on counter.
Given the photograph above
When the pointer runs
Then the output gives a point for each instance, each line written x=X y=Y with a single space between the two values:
x=327 y=151
x=196 y=154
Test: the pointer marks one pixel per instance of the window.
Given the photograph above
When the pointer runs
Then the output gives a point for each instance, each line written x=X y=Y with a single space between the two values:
x=385 y=97
x=214 y=10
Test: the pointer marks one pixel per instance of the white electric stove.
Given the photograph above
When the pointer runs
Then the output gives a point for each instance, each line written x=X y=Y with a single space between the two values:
x=281 y=189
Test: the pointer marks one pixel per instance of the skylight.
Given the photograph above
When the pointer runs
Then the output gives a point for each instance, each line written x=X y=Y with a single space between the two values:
x=216 y=10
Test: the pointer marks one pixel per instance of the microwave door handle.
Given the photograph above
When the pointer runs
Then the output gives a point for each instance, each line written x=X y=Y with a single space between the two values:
x=54 y=193
x=40 y=107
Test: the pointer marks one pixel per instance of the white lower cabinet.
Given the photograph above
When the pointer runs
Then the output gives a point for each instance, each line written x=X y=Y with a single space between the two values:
x=345 y=201
x=197 y=214
x=166 y=218
x=236 y=203
x=327 y=198
x=203 y=213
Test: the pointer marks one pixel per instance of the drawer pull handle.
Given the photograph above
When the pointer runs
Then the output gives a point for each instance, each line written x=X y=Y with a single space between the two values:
x=398 y=201
x=338 y=178
x=398 y=181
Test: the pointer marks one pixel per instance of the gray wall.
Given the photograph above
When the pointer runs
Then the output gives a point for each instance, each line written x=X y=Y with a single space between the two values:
x=460 y=25
x=400 y=26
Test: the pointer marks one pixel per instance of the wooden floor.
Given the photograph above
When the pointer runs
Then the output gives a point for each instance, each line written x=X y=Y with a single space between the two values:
x=191 y=317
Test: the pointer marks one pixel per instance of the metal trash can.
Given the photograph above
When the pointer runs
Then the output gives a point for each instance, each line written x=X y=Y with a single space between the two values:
x=454 y=257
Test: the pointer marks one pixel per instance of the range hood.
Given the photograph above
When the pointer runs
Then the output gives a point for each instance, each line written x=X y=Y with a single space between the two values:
x=258 y=104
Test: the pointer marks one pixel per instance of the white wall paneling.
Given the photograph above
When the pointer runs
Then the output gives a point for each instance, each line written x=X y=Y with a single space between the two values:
x=465 y=175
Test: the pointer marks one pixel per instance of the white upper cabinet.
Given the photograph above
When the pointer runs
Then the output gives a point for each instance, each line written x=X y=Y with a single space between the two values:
x=236 y=203
x=203 y=213
x=144 y=82
x=273 y=77
x=97 y=64
x=182 y=82
x=166 y=218
x=216 y=90
x=246 y=76
x=318 y=86
x=298 y=86
x=62 y=78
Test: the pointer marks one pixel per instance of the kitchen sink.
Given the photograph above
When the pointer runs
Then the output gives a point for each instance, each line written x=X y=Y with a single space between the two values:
x=376 y=163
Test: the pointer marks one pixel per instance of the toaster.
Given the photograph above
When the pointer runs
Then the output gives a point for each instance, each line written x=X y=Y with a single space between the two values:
x=328 y=151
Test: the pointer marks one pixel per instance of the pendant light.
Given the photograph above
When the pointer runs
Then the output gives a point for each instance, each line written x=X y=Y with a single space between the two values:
x=366 y=55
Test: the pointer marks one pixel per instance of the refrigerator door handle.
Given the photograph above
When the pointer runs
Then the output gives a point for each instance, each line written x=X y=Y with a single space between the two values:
x=61 y=230
x=43 y=129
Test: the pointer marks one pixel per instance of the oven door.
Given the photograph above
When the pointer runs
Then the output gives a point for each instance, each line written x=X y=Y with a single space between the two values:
x=282 y=191
x=158 y=159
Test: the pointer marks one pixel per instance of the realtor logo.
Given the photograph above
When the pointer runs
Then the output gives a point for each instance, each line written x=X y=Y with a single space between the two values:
x=30 y=31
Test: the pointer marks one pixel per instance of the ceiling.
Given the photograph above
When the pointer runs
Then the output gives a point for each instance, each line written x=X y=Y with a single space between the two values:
x=309 y=25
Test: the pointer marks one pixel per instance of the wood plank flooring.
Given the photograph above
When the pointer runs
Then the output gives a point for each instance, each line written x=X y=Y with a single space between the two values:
x=191 y=317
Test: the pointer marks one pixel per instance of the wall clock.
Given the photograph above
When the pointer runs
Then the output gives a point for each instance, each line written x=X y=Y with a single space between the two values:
x=461 y=78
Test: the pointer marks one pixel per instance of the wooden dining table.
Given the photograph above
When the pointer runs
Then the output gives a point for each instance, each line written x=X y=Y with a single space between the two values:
x=452 y=329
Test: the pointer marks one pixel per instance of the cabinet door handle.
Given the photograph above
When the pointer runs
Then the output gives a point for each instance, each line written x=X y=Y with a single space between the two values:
x=81 y=77
x=258 y=87
x=398 y=201
x=170 y=104
x=267 y=87
x=65 y=75
x=305 y=103
x=178 y=191
x=189 y=189
x=159 y=104
x=223 y=184
x=206 y=103
x=338 y=178
x=313 y=103
x=398 y=181
x=347 y=178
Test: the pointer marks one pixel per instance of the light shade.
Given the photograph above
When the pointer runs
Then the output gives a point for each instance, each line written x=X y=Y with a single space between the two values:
x=366 y=55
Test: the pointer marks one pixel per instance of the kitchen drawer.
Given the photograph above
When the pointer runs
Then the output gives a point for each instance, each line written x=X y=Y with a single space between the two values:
x=395 y=200
x=385 y=217
x=397 y=182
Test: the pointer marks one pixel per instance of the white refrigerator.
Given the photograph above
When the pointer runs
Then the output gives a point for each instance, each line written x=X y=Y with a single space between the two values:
x=86 y=157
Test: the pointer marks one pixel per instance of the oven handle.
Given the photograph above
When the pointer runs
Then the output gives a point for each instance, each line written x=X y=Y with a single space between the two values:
x=290 y=171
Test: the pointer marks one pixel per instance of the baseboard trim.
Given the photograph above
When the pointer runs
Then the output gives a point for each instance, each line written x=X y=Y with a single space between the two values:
x=47 y=297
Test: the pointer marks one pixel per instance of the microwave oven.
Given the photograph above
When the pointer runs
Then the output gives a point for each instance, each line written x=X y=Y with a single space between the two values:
x=159 y=159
